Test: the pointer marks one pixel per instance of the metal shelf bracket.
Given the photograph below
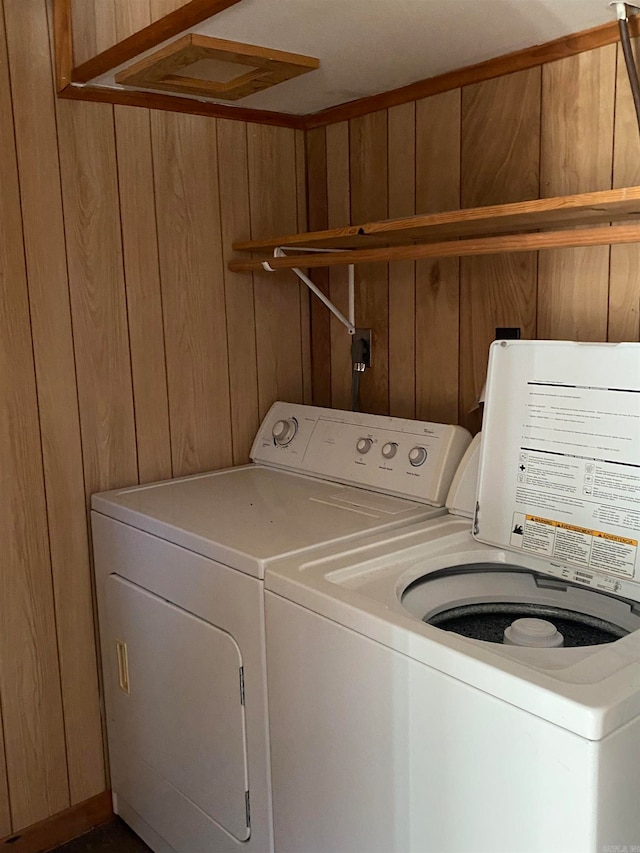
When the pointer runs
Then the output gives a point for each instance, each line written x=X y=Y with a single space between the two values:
x=350 y=322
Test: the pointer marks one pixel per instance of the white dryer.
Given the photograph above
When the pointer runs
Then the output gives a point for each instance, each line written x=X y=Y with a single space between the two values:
x=179 y=574
x=401 y=721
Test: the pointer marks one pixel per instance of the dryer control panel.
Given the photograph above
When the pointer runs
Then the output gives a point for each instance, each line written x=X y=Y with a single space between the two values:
x=413 y=459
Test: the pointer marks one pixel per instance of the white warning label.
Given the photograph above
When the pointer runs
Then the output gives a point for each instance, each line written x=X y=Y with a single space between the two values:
x=570 y=544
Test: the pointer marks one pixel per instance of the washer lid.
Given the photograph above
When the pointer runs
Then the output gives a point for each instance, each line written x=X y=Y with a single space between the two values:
x=560 y=459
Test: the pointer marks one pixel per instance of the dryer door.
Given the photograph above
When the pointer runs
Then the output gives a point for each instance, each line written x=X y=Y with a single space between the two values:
x=177 y=703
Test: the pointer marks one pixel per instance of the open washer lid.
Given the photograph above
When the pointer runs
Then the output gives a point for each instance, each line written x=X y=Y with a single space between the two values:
x=559 y=471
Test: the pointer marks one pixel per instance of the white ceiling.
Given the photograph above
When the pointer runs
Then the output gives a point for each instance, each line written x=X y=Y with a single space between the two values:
x=371 y=46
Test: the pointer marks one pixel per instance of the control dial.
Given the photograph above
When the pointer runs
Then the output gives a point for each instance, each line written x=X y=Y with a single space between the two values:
x=284 y=431
x=390 y=449
x=364 y=445
x=418 y=456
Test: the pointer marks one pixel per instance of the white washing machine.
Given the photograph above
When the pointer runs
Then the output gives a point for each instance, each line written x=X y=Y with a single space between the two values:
x=179 y=573
x=400 y=718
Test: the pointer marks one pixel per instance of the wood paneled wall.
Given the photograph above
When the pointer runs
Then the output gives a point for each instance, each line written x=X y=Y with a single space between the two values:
x=560 y=128
x=99 y=24
x=127 y=353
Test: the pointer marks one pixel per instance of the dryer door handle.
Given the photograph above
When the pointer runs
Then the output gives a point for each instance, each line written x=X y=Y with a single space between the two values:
x=123 y=666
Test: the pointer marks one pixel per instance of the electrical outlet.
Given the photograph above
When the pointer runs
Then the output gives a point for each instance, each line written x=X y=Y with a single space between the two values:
x=364 y=335
x=508 y=333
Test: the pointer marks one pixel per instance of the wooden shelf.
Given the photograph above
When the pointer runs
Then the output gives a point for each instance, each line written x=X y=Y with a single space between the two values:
x=477 y=231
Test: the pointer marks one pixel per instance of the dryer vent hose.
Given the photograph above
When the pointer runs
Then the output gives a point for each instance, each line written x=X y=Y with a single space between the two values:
x=360 y=358
x=627 y=50
x=355 y=390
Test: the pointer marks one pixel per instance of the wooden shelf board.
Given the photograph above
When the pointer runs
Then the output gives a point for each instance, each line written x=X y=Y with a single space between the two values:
x=593 y=208
x=492 y=245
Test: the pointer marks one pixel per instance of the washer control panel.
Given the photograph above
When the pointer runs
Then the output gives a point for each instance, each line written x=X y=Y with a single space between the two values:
x=413 y=459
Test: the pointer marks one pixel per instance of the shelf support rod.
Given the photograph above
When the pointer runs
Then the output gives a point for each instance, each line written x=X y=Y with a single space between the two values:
x=350 y=322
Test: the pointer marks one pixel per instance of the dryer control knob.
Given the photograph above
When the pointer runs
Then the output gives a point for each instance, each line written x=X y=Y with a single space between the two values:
x=364 y=445
x=389 y=450
x=418 y=456
x=284 y=431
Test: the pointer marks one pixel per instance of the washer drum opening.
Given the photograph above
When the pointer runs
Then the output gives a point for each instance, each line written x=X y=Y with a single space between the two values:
x=481 y=601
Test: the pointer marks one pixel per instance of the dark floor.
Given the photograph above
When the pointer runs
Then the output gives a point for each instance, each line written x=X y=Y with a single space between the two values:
x=113 y=837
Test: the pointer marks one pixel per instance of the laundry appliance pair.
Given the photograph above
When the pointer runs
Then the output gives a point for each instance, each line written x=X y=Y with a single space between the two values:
x=438 y=681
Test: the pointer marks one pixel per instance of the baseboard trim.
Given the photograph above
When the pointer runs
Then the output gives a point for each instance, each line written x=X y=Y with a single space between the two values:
x=62 y=827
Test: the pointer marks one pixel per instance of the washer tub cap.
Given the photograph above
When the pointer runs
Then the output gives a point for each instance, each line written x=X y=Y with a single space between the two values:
x=537 y=633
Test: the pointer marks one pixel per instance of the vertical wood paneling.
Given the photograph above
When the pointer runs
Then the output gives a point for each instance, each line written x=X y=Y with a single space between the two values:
x=159 y=8
x=498 y=291
x=29 y=670
x=94 y=22
x=369 y=200
x=576 y=156
x=94 y=26
x=545 y=131
x=83 y=31
x=624 y=284
x=501 y=140
x=272 y=188
x=186 y=178
x=305 y=297
x=99 y=311
x=241 y=343
x=86 y=401
x=142 y=273
x=577 y=123
x=5 y=808
x=57 y=395
x=338 y=212
x=437 y=282
x=8 y=225
x=402 y=291
x=317 y=175
x=144 y=299
x=129 y=18
x=89 y=317
x=499 y=164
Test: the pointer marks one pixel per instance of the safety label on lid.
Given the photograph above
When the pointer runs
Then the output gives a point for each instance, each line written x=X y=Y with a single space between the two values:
x=593 y=549
x=560 y=462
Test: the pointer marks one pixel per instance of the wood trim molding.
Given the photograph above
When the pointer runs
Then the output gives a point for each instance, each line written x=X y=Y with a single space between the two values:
x=62 y=827
x=175 y=104
x=63 y=43
x=170 y=25
x=499 y=66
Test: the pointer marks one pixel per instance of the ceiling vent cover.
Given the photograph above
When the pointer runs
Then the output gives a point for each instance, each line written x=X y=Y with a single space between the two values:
x=204 y=66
